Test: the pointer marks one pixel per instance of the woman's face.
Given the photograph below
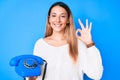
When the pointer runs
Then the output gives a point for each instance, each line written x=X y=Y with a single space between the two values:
x=58 y=18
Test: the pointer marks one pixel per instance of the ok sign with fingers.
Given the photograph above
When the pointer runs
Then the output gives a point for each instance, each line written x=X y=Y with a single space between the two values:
x=85 y=32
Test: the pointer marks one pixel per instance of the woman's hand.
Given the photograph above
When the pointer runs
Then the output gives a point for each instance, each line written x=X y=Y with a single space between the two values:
x=32 y=78
x=85 y=32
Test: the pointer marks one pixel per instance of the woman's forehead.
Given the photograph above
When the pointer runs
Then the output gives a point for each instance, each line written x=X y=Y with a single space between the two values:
x=58 y=9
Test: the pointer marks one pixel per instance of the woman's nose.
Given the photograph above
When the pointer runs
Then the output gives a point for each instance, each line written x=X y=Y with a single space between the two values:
x=58 y=19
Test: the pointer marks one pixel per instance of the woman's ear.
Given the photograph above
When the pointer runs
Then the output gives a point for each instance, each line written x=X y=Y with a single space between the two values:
x=68 y=22
x=48 y=19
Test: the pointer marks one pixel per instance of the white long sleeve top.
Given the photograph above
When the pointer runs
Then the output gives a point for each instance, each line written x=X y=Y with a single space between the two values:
x=60 y=65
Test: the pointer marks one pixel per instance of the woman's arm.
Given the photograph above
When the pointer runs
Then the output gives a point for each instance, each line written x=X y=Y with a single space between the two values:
x=93 y=63
x=90 y=61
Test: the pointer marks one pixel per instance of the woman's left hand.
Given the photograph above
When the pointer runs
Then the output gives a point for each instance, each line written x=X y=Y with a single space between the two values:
x=85 y=32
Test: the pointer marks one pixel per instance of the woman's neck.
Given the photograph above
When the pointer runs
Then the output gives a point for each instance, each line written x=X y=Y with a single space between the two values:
x=56 y=39
x=57 y=36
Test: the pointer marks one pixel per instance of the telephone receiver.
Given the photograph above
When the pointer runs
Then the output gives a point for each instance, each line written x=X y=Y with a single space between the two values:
x=27 y=65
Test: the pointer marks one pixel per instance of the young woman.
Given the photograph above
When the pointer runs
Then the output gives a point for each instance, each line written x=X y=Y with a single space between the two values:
x=68 y=55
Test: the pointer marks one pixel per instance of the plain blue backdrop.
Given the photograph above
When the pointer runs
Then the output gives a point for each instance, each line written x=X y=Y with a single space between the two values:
x=22 y=22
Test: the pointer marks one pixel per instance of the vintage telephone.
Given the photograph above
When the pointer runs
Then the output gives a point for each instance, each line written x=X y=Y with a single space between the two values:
x=28 y=65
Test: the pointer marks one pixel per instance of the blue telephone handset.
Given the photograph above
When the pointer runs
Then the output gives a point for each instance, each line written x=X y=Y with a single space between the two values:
x=27 y=65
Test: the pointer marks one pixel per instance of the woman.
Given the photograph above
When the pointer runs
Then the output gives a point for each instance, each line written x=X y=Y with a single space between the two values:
x=68 y=55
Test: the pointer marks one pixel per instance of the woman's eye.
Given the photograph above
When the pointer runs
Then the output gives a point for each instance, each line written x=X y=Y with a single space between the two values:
x=53 y=16
x=63 y=16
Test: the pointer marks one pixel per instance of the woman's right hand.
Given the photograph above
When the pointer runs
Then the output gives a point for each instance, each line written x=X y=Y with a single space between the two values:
x=32 y=78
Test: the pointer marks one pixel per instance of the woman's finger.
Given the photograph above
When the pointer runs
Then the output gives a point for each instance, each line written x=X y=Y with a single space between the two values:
x=81 y=24
x=77 y=31
x=90 y=26
x=86 y=23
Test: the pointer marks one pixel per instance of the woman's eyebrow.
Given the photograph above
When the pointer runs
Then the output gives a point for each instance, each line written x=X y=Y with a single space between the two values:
x=53 y=13
x=64 y=13
x=61 y=13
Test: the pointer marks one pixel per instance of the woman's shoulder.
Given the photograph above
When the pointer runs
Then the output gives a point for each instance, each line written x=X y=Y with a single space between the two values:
x=39 y=41
x=47 y=39
x=42 y=41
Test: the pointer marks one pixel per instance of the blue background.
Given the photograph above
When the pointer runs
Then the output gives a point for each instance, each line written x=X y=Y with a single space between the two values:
x=22 y=22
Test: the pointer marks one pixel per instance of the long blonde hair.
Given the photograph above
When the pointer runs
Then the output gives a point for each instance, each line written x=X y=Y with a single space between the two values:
x=69 y=31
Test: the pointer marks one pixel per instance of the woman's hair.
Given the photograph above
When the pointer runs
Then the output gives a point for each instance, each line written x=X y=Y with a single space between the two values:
x=69 y=30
